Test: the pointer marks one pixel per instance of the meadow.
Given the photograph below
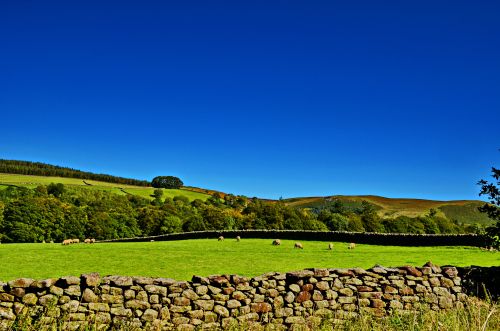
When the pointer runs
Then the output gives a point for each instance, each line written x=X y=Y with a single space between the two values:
x=250 y=257
x=121 y=189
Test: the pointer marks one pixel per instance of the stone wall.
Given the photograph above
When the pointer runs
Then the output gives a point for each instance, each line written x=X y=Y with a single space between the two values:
x=223 y=301
x=393 y=239
x=482 y=282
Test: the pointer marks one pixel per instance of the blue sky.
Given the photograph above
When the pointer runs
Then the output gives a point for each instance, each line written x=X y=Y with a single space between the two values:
x=261 y=98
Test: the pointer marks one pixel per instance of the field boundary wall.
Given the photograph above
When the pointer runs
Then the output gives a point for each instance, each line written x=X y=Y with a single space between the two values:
x=286 y=300
x=393 y=239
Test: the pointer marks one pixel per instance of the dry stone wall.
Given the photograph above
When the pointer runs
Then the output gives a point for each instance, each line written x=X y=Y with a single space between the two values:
x=393 y=239
x=285 y=300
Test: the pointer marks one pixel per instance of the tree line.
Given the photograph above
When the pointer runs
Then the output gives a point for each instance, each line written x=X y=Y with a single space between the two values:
x=43 y=169
x=56 y=212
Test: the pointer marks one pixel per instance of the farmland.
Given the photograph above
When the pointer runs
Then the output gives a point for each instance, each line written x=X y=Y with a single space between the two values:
x=121 y=189
x=250 y=257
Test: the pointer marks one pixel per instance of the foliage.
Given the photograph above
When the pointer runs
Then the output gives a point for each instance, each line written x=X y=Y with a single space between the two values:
x=158 y=194
x=492 y=209
x=57 y=212
x=54 y=189
x=43 y=169
x=474 y=315
x=170 y=182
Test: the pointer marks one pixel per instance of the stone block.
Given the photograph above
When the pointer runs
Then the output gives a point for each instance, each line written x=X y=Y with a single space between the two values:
x=21 y=282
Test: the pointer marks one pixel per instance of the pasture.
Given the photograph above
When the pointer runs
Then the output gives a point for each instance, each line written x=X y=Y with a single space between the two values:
x=121 y=189
x=249 y=257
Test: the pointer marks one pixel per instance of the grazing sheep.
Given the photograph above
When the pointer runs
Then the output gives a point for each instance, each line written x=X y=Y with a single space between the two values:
x=152 y=240
x=92 y=240
x=276 y=242
x=298 y=245
x=330 y=246
x=221 y=238
x=351 y=246
x=87 y=241
x=238 y=238
x=67 y=242
x=76 y=241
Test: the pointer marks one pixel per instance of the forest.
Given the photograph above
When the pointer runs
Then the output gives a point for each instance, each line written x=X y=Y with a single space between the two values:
x=56 y=212
x=43 y=169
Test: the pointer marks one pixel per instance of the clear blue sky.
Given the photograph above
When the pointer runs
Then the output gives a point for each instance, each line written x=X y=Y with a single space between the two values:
x=261 y=98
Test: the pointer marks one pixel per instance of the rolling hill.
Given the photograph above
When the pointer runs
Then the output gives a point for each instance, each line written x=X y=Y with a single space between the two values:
x=464 y=211
x=28 y=174
x=122 y=189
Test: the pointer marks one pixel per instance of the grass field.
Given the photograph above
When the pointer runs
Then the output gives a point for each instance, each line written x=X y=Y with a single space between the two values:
x=122 y=189
x=182 y=259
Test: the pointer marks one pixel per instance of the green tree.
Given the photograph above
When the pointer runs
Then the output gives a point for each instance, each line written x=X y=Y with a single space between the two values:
x=55 y=189
x=181 y=199
x=158 y=194
x=355 y=223
x=2 y=207
x=170 y=224
x=492 y=209
x=169 y=182
x=194 y=223
x=334 y=221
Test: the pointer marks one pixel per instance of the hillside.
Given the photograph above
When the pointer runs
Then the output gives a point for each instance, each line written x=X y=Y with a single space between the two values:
x=44 y=169
x=28 y=174
x=464 y=211
x=121 y=189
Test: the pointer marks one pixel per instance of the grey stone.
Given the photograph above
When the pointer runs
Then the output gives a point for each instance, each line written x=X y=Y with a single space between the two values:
x=56 y=290
x=70 y=280
x=149 y=315
x=99 y=306
x=48 y=300
x=6 y=313
x=202 y=290
x=137 y=304
x=73 y=290
x=120 y=311
x=121 y=281
x=233 y=304
x=222 y=311
x=30 y=299
x=204 y=304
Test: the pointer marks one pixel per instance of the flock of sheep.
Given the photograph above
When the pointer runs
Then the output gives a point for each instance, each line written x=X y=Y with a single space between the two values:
x=277 y=242
x=77 y=241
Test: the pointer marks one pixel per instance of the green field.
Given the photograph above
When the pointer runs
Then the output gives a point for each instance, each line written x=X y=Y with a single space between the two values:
x=182 y=259
x=122 y=189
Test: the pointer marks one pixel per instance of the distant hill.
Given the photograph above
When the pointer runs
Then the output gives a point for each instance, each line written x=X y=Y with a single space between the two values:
x=32 y=174
x=464 y=211
x=43 y=169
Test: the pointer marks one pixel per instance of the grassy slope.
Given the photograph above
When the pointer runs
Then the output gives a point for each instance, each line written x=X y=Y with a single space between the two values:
x=464 y=211
x=182 y=259
x=146 y=192
x=461 y=210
